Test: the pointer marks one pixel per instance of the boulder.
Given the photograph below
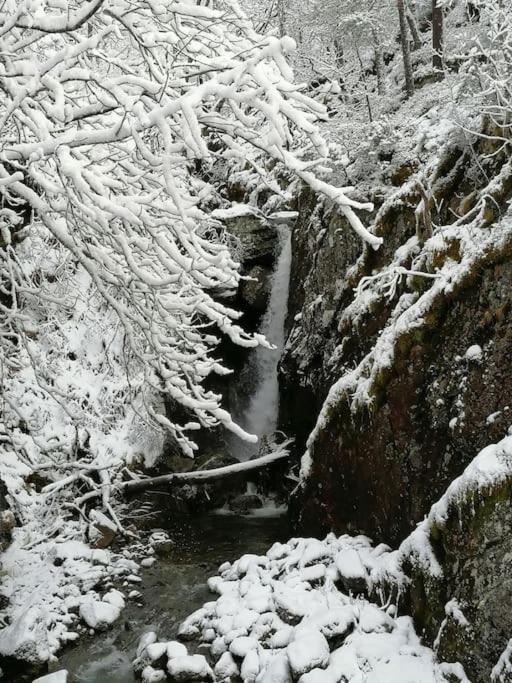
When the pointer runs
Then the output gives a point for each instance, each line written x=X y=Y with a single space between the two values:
x=98 y=614
x=245 y=502
x=255 y=293
x=256 y=237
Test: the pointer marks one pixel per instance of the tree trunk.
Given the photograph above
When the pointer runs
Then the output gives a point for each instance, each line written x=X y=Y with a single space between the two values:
x=379 y=64
x=281 y=15
x=206 y=476
x=413 y=27
x=406 y=51
x=437 y=39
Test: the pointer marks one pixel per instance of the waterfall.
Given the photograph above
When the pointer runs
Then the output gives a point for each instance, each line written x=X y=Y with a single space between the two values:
x=261 y=415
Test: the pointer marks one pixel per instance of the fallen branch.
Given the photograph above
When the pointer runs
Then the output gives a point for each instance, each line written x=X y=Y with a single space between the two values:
x=206 y=476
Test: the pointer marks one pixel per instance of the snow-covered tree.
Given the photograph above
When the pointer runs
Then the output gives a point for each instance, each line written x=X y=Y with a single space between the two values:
x=105 y=107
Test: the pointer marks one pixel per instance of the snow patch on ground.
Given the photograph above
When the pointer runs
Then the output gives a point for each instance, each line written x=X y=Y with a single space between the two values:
x=52 y=586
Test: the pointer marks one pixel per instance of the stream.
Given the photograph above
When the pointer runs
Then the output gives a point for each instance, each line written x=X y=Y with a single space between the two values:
x=171 y=589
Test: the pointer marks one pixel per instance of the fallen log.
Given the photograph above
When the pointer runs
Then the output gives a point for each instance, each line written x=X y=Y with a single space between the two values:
x=206 y=476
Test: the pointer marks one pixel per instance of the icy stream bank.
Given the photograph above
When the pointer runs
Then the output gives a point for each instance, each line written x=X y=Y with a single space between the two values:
x=171 y=588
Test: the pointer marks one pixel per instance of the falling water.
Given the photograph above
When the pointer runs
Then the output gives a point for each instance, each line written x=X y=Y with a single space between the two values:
x=261 y=415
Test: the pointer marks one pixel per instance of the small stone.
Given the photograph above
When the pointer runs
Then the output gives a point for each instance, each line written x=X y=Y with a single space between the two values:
x=245 y=503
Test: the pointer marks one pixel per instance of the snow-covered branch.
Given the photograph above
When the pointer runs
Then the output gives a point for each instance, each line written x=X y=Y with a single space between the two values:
x=105 y=107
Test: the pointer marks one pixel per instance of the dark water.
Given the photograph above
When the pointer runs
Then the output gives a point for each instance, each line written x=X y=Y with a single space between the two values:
x=172 y=588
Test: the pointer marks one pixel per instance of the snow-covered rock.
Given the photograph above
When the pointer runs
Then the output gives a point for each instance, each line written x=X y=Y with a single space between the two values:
x=146 y=639
x=115 y=598
x=156 y=651
x=241 y=646
x=189 y=668
x=174 y=649
x=226 y=668
x=309 y=651
x=474 y=353
x=98 y=614
x=151 y=675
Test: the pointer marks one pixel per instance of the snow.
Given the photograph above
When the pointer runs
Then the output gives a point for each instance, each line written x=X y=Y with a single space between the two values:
x=175 y=649
x=234 y=211
x=45 y=594
x=310 y=630
x=157 y=650
x=78 y=375
x=56 y=677
x=115 y=598
x=226 y=668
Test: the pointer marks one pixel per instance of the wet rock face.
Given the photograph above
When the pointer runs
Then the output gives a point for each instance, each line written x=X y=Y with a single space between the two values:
x=467 y=611
x=379 y=470
x=255 y=293
x=323 y=247
x=7 y=521
x=258 y=238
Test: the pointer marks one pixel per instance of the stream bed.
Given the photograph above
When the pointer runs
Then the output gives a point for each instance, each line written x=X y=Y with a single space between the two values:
x=171 y=589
